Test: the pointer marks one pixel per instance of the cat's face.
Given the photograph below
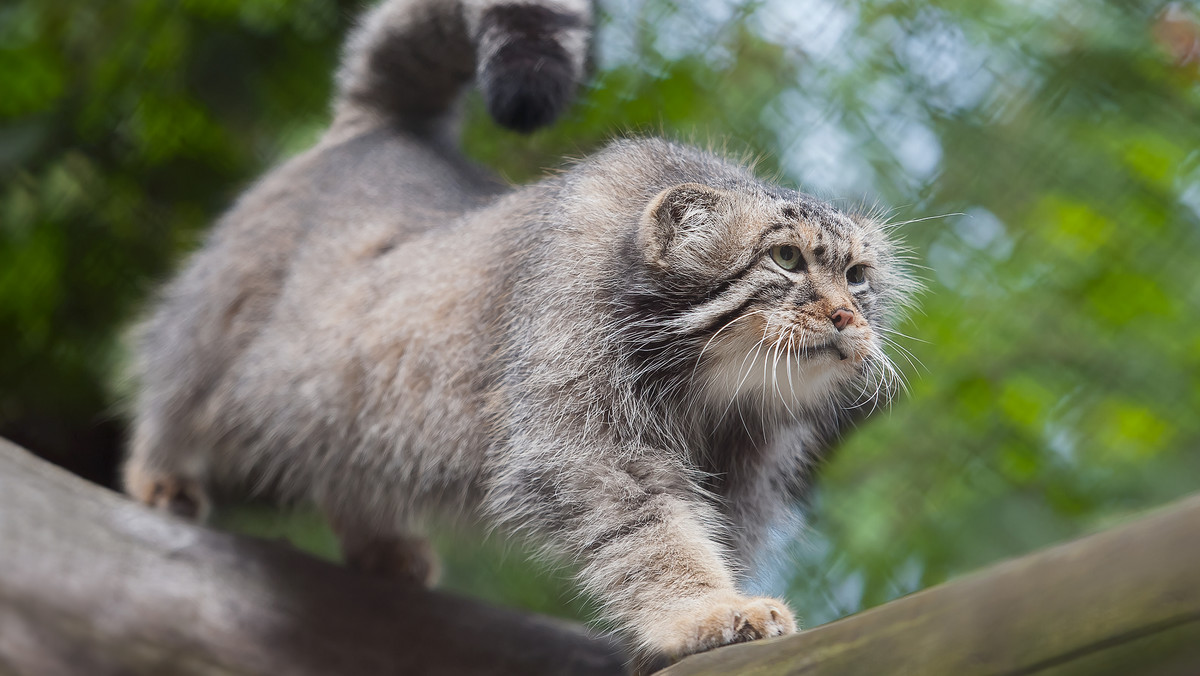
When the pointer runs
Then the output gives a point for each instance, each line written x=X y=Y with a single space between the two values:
x=788 y=298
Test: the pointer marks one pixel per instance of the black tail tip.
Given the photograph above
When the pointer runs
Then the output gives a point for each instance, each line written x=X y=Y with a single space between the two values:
x=527 y=86
x=528 y=77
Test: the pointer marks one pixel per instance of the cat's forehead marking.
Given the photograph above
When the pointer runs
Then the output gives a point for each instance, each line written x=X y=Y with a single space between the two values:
x=827 y=234
x=776 y=226
x=831 y=249
x=818 y=246
x=813 y=212
x=816 y=239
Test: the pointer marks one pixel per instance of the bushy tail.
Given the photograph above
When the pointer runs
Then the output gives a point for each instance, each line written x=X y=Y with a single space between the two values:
x=409 y=60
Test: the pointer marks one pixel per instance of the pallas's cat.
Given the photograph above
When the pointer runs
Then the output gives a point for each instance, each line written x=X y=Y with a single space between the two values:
x=635 y=362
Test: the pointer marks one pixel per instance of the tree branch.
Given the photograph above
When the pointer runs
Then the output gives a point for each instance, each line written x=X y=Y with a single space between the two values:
x=1124 y=601
x=91 y=583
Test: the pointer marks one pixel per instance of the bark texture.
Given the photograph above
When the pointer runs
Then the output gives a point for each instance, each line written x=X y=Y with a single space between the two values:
x=91 y=583
x=1124 y=601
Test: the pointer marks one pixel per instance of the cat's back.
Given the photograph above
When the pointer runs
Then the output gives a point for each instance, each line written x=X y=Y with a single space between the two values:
x=353 y=198
x=380 y=176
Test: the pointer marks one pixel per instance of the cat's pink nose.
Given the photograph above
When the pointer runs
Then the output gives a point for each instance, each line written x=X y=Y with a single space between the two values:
x=841 y=318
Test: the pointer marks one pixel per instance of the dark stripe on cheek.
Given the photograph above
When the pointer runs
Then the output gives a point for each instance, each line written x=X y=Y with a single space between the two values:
x=772 y=292
x=803 y=294
x=723 y=286
x=727 y=316
x=777 y=290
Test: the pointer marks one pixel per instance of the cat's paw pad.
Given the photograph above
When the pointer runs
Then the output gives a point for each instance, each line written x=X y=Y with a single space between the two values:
x=730 y=620
x=181 y=496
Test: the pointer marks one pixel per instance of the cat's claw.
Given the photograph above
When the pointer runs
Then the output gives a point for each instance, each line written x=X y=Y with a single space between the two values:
x=727 y=620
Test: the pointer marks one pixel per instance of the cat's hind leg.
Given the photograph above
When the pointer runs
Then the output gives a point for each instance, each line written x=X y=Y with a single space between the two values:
x=167 y=477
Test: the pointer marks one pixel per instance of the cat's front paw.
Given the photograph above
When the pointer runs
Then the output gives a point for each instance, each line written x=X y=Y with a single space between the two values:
x=725 y=620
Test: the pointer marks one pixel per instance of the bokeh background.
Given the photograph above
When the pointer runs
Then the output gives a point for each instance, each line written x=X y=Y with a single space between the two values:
x=1047 y=152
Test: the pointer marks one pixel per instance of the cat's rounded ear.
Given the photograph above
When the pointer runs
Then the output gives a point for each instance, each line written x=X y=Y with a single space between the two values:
x=677 y=217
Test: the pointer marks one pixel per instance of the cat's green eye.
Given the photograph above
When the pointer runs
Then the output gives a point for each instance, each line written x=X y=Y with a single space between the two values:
x=787 y=257
x=857 y=274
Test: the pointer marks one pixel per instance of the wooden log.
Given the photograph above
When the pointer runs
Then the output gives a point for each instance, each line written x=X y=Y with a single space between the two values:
x=91 y=583
x=1121 y=602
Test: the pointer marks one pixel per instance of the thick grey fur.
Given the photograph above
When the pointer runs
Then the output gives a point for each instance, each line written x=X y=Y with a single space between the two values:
x=383 y=329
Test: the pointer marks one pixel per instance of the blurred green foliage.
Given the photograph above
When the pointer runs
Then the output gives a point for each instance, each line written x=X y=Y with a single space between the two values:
x=125 y=127
x=1052 y=147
